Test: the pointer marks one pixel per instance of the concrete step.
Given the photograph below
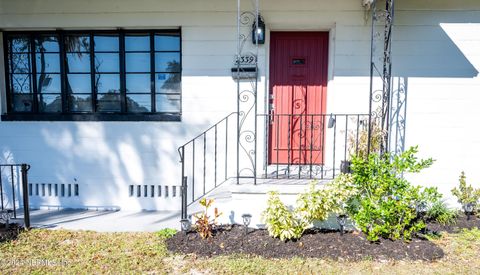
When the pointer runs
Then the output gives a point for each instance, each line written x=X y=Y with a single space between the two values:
x=234 y=200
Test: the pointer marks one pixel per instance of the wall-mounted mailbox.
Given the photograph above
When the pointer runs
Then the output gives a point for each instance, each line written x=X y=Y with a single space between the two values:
x=239 y=73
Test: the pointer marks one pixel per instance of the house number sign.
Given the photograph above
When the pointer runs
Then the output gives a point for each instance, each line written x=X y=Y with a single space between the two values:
x=249 y=59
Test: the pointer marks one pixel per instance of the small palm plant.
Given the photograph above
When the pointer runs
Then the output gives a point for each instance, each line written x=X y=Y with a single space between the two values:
x=205 y=224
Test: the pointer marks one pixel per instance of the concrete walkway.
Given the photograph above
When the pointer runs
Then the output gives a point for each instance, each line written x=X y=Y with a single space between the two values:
x=103 y=221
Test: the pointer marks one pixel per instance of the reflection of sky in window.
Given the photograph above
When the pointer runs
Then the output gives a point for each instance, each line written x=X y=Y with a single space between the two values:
x=167 y=43
x=108 y=83
x=107 y=62
x=138 y=83
x=52 y=62
x=137 y=62
x=137 y=43
x=80 y=83
x=107 y=43
x=78 y=63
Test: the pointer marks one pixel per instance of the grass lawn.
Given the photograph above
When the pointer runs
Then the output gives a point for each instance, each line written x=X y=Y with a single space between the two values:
x=59 y=251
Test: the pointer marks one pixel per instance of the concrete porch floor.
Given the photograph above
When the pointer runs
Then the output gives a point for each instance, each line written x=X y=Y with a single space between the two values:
x=102 y=221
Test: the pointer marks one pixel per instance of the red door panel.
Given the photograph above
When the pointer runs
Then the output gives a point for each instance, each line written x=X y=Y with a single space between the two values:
x=298 y=87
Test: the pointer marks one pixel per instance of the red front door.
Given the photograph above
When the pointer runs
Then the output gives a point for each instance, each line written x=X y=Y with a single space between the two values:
x=298 y=88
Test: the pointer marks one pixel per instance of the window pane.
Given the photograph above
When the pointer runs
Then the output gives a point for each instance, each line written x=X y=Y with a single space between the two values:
x=107 y=83
x=48 y=83
x=80 y=103
x=77 y=43
x=139 y=103
x=20 y=44
x=108 y=102
x=20 y=63
x=137 y=62
x=78 y=63
x=140 y=42
x=167 y=83
x=48 y=62
x=165 y=42
x=79 y=83
x=22 y=102
x=168 y=103
x=167 y=62
x=106 y=43
x=21 y=83
x=50 y=103
x=46 y=43
x=107 y=62
x=138 y=83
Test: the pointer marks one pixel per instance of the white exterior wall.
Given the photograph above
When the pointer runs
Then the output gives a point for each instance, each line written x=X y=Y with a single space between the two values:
x=436 y=48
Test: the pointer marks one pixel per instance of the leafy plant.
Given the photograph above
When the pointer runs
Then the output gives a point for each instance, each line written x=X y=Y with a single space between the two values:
x=319 y=202
x=466 y=193
x=384 y=205
x=440 y=212
x=282 y=222
x=167 y=233
x=204 y=225
x=314 y=205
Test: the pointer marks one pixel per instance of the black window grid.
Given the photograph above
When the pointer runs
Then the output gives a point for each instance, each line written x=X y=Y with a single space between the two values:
x=66 y=109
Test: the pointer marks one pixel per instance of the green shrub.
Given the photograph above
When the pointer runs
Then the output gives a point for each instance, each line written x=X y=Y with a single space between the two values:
x=466 y=193
x=385 y=203
x=282 y=222
x=440 y=212
x=319 y=202
x=166 y=233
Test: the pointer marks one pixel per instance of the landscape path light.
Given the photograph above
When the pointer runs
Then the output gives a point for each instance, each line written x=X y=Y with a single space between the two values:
x=247 y=218
x=186 y=225
x=342 y=220
x=6 y=215
x=468 y=208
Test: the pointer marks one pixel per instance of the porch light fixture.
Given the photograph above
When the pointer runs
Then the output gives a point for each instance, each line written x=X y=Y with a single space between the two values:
x=247 y=218
x=468 y=208
x=331 y=121
x=342 y=220
x=258 y=31
x=186 y=225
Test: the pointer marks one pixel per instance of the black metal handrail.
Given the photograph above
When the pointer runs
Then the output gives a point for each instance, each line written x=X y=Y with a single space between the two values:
x=223 y=124
x=331 y=138
x=25 y=193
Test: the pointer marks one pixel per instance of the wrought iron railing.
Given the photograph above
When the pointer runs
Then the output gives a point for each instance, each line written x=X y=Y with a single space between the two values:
x=13 y=187
x=311 y=146
x=208 y=160
x=297 y=146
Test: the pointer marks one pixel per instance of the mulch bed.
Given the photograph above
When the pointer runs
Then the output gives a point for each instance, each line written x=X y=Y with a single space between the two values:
x=315 y=243
x=462 y=222
x=10 y=233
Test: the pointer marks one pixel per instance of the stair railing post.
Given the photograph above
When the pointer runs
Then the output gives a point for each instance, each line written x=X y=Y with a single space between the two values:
x=184 y=183
x=26 y=207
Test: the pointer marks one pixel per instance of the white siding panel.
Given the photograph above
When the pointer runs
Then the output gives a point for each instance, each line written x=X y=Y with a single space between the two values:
x=436 y=48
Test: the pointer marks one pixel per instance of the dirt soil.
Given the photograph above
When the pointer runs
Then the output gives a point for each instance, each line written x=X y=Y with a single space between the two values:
x=315 y=243
x=9 y=234
x=462 y=222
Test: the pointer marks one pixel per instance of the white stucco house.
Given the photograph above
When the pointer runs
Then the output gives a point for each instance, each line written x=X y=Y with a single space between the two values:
x=100 y=96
